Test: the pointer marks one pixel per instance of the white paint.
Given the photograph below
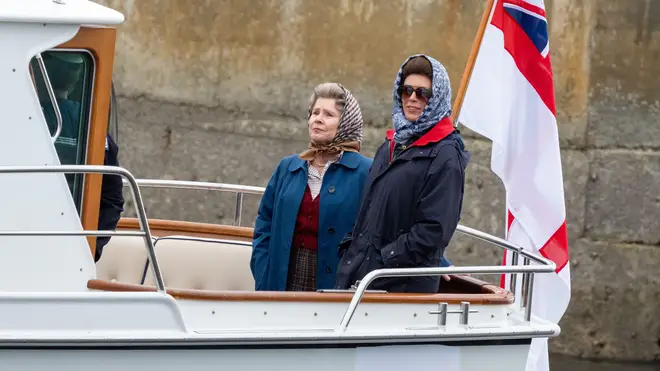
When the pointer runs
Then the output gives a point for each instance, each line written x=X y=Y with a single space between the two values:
x=34 y=202
x=476 y=358
x=82 y=314
x=397 y=357
x=45 y=11
x=86 y=319
x=207 y=314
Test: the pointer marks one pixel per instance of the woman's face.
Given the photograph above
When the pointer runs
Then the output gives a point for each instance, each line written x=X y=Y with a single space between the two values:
x=324 y=121
x=414 y=103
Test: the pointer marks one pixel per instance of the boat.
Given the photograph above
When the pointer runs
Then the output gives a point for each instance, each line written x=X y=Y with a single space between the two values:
x=172 y=295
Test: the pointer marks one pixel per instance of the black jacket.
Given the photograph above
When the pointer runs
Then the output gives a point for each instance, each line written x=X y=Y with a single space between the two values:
x=409 y=211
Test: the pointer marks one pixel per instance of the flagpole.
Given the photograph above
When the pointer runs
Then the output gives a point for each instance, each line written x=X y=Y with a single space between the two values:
x=458 y=103
x=465 y=79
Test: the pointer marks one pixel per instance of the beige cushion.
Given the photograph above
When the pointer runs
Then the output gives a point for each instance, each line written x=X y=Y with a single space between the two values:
x=123 y=260
x=203 y=264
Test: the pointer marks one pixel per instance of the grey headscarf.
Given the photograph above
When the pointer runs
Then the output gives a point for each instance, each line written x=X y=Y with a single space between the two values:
x=350 y=131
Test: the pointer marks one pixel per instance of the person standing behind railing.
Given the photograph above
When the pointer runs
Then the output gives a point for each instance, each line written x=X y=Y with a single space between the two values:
x=112 y=197
x=414 y=194
x=312 y=199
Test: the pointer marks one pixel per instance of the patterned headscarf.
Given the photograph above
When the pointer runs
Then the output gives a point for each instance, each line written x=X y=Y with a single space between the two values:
x=437 y=108
x=350 y=131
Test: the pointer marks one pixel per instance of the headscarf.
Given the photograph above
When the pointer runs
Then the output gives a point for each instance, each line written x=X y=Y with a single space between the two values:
x=437 y=108
x=349 y=132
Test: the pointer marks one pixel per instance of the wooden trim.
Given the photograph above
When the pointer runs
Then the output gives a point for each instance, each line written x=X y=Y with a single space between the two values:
x=161 y=227
x=491 y=295
x=101 y=43
x=467 y=74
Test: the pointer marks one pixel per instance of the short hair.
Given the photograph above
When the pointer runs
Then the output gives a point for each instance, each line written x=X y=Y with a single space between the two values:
x=417 y=66
x=328 y=90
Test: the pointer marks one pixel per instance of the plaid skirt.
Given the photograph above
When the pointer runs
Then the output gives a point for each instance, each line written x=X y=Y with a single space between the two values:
x=302 y=270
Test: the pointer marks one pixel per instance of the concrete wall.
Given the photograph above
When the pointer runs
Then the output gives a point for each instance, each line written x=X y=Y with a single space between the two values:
x=217 y=91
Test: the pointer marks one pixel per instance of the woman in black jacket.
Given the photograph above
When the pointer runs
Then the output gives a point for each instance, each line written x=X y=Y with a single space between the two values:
x=412 y=199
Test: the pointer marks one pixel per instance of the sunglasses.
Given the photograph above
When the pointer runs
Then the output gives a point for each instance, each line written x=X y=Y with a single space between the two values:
x=408 y=90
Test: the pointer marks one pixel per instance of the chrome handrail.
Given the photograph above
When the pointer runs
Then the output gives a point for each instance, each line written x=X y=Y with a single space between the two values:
x=417 y=272
x=73 y=233
x=243 y=189
x=89 y=169
x=502 y=243
x=528 y=275
x=240 y=190
x=209 y=186
x=51 y=94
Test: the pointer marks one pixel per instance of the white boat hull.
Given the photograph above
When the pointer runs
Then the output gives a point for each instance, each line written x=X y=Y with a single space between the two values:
x=147 y=331
x=234 y=330
x=382 y=358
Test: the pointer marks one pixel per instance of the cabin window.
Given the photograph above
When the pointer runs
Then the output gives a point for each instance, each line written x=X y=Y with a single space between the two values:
x=71 y=74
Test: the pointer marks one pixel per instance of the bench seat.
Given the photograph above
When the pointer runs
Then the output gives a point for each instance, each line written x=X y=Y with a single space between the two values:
x=185 y=262
x=214 y=269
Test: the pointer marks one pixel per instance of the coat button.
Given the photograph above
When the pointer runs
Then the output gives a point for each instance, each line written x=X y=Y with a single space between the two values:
x=328 y=270
x=331 y=230
x=331 y=189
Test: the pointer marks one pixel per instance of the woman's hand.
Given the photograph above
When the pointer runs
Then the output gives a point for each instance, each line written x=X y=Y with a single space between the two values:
x=447 y=277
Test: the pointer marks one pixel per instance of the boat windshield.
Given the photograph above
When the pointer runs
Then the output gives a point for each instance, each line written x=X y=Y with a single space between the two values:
x=71 y=75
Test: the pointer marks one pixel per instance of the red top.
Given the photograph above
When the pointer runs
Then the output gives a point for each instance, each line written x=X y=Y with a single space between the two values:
x=437 y=133
x=306 y=231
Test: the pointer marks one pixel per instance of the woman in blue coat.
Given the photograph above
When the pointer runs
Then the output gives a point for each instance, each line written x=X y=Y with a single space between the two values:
x=312 y=199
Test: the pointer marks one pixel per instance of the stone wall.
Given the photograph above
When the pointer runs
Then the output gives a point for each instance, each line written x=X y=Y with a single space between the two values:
x=217 y=90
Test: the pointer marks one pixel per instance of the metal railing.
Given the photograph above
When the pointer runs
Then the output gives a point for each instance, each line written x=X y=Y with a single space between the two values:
x=545 y=265
x=240 y=190
x=51 y=94
x=89 y=169
x=417 y=272
x=527 y=270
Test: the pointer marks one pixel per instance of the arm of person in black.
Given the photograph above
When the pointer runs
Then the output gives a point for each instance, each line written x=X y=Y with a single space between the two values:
x=112 y=197
x=345 y=242
x=437 y=214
